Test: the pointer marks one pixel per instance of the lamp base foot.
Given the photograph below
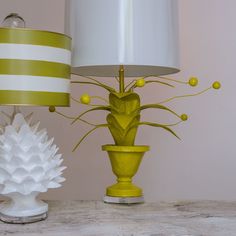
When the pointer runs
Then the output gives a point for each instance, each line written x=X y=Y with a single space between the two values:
x=123 y=200
x=23 y=220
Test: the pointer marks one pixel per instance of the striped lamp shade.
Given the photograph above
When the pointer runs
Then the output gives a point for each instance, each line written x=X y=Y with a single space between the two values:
x=34 y=67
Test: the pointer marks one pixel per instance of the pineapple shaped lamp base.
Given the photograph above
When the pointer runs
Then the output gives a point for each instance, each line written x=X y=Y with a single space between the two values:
x=29 y=165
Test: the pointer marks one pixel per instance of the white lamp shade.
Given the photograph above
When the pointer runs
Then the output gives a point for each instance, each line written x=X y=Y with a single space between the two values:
x=142 y=35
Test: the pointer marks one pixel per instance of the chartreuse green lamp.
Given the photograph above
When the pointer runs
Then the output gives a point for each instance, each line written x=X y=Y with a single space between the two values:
x=124 y=39
x=34 y=71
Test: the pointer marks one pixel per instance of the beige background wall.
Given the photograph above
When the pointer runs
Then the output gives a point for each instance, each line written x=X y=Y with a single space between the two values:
x=203 y=164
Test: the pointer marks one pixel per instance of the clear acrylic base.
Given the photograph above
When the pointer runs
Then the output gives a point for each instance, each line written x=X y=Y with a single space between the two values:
x=23 y=220
x=123 y=200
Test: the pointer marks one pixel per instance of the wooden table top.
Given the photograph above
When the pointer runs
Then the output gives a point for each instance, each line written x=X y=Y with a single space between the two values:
x=88 y=218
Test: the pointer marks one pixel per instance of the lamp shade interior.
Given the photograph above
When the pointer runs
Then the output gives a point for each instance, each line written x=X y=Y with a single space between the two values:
x=34 y=67
x=142 y=35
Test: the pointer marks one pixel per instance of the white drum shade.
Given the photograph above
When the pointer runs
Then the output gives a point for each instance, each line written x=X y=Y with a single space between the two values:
x=142 y=35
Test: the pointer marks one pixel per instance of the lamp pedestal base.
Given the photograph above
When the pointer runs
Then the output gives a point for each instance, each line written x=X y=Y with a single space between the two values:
x=23 y=220
x=22 y=209
x=123 y=200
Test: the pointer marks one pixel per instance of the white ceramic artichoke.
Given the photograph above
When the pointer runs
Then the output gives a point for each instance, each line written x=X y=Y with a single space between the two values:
x=29 y=164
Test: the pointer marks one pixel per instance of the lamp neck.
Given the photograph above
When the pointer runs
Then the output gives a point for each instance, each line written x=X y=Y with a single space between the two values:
x=122 y=79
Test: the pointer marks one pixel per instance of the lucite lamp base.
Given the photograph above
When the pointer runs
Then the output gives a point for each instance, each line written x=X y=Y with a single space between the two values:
x=23 y=220
x=123 y=200
x=23 y=209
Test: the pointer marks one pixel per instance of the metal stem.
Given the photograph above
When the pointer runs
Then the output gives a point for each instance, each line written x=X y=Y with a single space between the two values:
x=122 y=79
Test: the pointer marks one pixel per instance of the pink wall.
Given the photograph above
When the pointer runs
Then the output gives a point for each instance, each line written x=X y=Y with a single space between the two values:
x=202 y=165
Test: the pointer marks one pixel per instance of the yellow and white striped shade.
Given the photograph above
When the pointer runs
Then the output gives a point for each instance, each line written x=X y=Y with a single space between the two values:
x=34 y=67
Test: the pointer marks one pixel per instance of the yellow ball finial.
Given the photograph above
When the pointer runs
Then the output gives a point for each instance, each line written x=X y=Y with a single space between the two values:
x=85 y=99
x=184 y=117
x=193 y=81
x=216 y=85
x=140 y=82
x=52 y=109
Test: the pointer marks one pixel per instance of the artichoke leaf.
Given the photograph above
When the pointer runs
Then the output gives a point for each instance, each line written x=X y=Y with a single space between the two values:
x=100 y=108
x=126 y=103
x=159 y=126
x=158 y=106
x=123 y=136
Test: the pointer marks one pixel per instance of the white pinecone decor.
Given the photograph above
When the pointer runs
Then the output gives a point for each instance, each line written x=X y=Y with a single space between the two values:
x=29 y=164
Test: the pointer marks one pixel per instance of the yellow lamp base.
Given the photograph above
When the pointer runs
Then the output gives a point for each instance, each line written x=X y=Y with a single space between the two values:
x=125 y=161
x=124 y=189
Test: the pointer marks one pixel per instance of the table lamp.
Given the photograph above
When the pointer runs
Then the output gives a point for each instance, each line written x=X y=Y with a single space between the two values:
x=125 y=38
x=34 y=71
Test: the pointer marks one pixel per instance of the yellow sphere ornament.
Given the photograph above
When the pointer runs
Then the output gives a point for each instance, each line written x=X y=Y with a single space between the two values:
x=216 y=85
x=140 y=82
x=52 y=109
x=85 y=99
x=184 y=117
x=193 y=81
